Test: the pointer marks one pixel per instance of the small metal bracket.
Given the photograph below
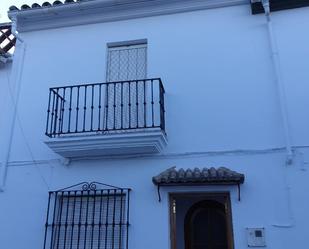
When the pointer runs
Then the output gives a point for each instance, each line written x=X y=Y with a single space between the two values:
x=159 y=194
x=65 y=161
x=238 y=187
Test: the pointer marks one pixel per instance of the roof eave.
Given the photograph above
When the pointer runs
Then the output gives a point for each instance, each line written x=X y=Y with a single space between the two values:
x=85 y=12
x=5 y=25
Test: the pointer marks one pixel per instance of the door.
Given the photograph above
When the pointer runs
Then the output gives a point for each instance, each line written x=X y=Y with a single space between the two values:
x=125 y=100
x=201 y=221
x=126 y=62
x=206 y=226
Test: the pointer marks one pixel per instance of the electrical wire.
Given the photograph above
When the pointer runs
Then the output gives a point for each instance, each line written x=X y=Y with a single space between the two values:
x=24 y=135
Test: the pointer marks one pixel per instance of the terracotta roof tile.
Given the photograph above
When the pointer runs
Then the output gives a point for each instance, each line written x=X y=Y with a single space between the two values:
x=44 y=5
x=196 y=176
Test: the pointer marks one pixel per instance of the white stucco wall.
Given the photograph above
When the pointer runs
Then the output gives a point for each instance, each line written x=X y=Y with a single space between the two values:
x=220 y=96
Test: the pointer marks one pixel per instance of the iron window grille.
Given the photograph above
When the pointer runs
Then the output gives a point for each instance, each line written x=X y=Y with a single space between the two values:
x=85 y=217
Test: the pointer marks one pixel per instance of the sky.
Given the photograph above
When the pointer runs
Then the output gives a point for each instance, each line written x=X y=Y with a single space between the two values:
x=5 y=4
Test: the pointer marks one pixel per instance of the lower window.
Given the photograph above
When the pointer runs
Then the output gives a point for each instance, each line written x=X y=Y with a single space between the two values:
x=90 y=218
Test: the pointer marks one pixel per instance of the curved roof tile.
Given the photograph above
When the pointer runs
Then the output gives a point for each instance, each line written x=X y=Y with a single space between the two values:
x=57 y=2
x=44 y=5
x=13 y=8
x=197 y=176
x=25 y=6
x=35 y=5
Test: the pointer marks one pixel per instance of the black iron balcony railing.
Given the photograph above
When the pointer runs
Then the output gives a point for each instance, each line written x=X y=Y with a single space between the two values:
x=106 y=107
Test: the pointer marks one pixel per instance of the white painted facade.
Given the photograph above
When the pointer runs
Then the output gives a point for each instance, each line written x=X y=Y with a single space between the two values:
x=222 y=109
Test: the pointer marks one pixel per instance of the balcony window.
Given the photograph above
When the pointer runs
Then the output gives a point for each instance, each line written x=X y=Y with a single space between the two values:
x=127 y=61
x=128 y=110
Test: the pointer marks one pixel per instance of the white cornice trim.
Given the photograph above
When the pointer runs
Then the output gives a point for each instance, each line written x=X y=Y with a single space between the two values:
x=4 y=59
x=89 y=12
x=137 y=143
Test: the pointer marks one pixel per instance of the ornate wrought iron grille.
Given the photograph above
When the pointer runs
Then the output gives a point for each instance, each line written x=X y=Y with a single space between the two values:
x=85 y=217
x=106 y=107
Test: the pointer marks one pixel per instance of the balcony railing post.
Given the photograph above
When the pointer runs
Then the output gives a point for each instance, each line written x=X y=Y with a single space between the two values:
x=121 y=106
x=85 y=109
x=70 y=110
x=114 y=106
x=77 y=109
x=52 y=114
x=62 y=98
x=48 y=113
x=57 y=115
x=162 y=109
x=106 y=107
x=129 y=83
x=136 y=96
x=92 y=96
x=100 y=107
x=144 y=104
x=152 y=107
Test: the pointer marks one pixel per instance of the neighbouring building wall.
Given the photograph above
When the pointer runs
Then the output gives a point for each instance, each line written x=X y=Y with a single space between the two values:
x=222 y=109
x=5 y=76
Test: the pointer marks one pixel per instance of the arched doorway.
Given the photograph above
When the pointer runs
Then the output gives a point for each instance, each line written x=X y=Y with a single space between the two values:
x=206 y=226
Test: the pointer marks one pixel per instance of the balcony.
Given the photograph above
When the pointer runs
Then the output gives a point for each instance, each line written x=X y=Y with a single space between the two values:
x=106 y=119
